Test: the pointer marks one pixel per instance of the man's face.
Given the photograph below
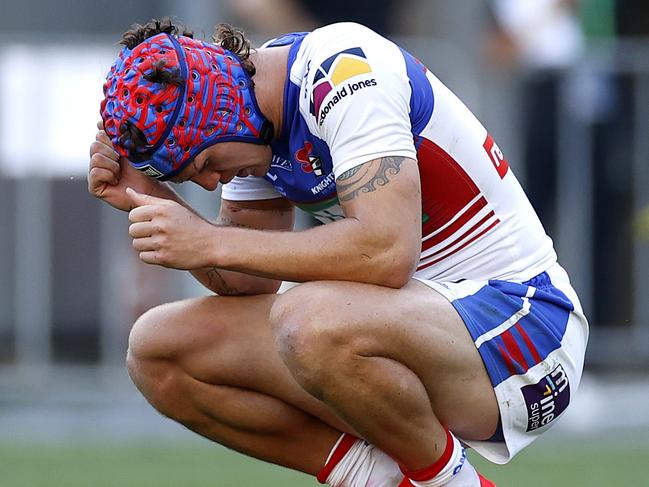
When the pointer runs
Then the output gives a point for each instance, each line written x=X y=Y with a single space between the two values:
x=223 y=161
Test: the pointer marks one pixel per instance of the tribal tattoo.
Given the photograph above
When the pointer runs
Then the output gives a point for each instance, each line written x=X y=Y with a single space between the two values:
x=367 y=177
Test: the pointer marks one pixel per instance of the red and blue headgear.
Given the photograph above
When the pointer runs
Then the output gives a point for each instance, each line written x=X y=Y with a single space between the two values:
x=213 y=102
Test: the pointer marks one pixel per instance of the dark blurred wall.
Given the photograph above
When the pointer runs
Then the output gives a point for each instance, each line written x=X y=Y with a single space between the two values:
x=78 y=16
x=7 y=247
x=632 y=17
x=101 y=17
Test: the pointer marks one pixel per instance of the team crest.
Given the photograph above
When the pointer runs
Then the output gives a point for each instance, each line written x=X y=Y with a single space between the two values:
x=310 y=163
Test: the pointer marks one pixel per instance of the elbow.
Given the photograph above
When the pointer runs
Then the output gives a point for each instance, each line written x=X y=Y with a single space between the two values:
x=245 y=285
x=261 y=286
x=265 y=286
x=396 y=277
x=396 y=268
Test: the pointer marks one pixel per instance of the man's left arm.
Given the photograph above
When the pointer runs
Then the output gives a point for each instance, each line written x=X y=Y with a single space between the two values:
x=378 y=242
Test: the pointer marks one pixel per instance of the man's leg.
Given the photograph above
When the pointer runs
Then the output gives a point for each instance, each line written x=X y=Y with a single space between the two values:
x=397 y=365
x=212 y=365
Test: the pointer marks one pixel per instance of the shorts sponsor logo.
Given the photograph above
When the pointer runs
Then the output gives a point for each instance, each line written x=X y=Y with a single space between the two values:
x=332 y=74
x=547 y=399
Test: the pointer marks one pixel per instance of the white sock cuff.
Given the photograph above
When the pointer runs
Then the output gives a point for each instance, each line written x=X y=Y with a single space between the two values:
x=350 y=464
x=438 y=474
x=353 y=462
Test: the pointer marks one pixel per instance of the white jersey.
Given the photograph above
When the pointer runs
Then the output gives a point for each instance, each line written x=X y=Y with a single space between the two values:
x=353 y=96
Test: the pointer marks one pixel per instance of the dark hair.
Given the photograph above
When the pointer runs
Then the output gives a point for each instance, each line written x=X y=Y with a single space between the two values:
x=139 y=33
x=228 y=37
x=234 y=40
x=134 y=141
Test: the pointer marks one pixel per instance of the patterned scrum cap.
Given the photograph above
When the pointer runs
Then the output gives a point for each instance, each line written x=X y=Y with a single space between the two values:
x=214 y=103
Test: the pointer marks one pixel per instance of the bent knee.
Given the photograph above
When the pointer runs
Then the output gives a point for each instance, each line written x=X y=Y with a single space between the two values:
x=152 y=335
x=309 y=335
x=161 y=383
x=302 y=319
x=154 y=351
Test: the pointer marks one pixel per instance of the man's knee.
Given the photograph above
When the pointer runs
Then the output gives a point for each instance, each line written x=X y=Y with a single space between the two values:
x=152 y=335
x=198 y=338
x=151 y=353
x=162 y=344
x=309 y=335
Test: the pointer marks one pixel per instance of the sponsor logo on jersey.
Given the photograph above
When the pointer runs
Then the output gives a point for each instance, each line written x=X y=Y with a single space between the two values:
x=281 y=163
x=310 y=163
x=547 y=399
x=322 y=185
x=496 y=156
x=332 y=75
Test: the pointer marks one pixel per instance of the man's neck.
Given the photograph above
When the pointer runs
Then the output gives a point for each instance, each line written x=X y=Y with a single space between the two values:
x=269 y=81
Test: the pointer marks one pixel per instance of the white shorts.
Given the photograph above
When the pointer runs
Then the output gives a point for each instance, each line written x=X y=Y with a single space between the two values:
x=532 y=339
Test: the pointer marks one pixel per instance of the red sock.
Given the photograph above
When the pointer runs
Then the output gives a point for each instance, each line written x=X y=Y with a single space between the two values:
x=431 y=471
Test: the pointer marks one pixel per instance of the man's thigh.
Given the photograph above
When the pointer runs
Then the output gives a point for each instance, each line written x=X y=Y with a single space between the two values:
x=415 y=326
x=224 y=341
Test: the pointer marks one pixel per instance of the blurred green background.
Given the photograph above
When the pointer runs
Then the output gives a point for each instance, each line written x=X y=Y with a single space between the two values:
x=598 y=462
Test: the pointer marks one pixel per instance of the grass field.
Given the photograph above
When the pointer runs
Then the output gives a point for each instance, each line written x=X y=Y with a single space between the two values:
x=573 y=464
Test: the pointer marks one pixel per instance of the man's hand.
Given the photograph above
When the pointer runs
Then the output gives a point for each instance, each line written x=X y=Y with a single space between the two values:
x=168 y=234
x=109 y=174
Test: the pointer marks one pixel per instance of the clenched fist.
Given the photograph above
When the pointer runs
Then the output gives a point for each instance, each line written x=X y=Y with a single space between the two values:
x=109 y=174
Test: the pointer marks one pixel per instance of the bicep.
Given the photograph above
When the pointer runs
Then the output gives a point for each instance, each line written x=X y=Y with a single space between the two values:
x=269 y=214
x=385 y=196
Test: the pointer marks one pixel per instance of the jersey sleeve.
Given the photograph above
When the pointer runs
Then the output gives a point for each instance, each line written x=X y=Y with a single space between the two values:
x=248 y=189
x=360 y=94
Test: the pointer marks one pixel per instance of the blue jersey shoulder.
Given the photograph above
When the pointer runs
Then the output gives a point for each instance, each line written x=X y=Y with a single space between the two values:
x=302 y=169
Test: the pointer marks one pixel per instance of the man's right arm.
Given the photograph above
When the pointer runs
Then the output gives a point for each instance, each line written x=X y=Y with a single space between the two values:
x=109 y=176
x=274 y=214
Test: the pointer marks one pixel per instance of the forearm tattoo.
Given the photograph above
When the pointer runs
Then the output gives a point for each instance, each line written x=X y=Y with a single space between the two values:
x=367 y=177
x=215 y=280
